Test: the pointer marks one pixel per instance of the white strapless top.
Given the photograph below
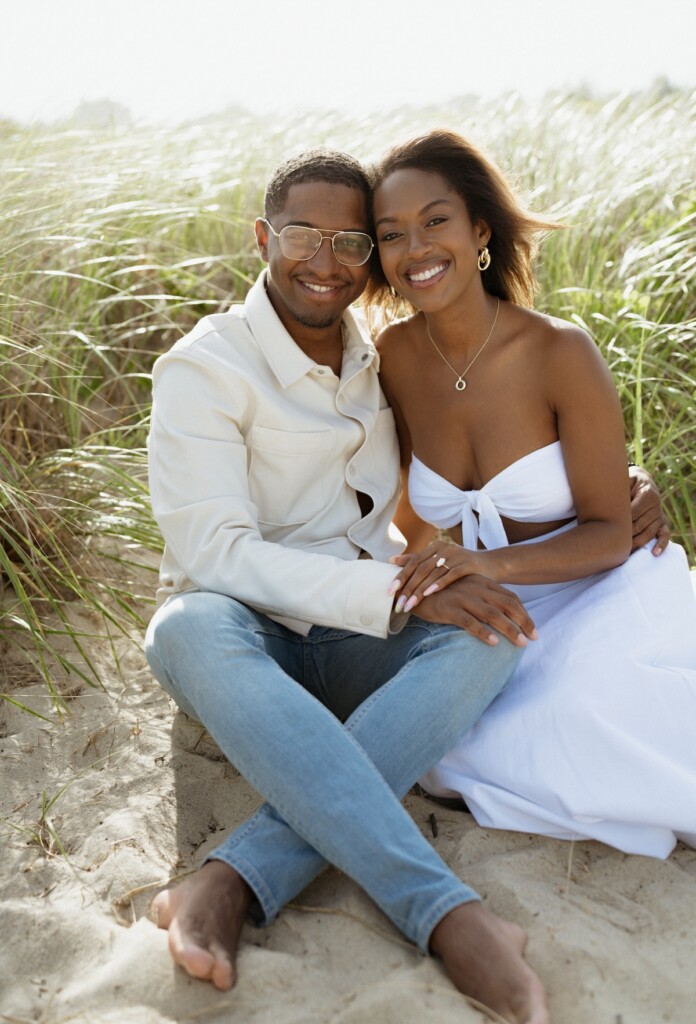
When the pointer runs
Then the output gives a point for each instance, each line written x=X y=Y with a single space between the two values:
x=534 y=489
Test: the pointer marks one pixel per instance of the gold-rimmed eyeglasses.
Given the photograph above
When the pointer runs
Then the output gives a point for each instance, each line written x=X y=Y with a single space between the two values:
x=351 y=248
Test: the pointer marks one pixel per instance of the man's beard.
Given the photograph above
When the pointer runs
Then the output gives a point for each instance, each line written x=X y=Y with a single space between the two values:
x=318 y=320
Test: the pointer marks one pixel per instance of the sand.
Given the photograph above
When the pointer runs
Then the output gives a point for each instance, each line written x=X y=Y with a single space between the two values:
x=100 y=810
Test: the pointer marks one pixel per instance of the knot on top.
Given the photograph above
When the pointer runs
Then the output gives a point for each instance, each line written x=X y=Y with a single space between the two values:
x=481 y=521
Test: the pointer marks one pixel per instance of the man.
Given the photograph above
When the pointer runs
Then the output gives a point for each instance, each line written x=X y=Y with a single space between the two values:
x=274 y=475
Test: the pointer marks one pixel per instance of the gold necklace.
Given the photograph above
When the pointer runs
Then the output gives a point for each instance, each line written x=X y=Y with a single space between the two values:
x=460 y=383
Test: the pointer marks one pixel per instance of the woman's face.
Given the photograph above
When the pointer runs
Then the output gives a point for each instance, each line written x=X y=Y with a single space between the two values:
x=427 y=243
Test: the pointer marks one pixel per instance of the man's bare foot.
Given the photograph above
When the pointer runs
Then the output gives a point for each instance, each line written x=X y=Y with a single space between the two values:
x=484 y=957
x=204 y=916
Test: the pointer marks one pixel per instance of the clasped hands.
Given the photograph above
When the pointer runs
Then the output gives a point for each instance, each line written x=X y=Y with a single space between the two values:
x=436 y=567
x=455 y=592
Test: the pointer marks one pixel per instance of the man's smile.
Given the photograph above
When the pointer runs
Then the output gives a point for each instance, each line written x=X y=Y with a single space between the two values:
x=321 y=289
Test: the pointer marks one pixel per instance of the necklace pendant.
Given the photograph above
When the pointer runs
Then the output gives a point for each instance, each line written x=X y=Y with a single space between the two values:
x=460 y=384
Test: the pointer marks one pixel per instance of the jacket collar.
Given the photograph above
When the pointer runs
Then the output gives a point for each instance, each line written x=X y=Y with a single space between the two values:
x=285 y=358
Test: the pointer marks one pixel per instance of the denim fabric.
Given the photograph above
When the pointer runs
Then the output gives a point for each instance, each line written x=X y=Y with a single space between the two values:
x=333 y=790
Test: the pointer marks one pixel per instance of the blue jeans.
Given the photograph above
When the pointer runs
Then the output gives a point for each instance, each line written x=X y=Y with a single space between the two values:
x=274 y=701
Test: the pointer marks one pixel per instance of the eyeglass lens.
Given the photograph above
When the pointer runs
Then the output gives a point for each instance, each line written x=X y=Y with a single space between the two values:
x=351 y=248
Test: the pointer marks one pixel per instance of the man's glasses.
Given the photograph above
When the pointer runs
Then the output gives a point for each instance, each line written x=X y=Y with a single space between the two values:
x=352 y=248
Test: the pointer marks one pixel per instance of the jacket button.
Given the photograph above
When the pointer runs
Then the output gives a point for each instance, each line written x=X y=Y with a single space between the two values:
x=366 y=620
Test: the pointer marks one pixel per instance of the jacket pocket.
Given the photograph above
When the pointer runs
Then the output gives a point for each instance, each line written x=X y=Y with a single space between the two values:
x=288 y=480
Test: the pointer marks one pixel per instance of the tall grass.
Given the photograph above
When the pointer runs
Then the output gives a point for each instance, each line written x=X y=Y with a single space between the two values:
x=114 y=242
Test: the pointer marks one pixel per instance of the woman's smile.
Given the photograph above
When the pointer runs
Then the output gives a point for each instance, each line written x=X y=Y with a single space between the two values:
x=428 y=275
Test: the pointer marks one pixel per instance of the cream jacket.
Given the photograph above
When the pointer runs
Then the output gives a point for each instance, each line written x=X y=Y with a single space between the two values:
x=256 y=453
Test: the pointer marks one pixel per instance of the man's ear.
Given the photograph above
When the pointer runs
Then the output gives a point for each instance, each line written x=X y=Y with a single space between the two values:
x=483 y=232
x=261 y=232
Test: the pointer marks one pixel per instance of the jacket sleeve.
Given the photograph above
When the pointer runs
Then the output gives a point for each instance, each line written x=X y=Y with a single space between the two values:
x=198 y=468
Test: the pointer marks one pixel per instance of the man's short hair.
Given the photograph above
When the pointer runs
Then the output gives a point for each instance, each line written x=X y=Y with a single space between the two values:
x=321 y=165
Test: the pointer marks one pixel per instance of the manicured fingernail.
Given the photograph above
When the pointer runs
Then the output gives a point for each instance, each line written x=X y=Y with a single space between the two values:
x=534 y=634
x=411 y=603
x=400 y=603
x=521 y=640
x=430 y=590
x=492 y=639
x=394 y=587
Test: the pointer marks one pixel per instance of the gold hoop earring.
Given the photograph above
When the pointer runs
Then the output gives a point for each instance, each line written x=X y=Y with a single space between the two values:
x=484 y=259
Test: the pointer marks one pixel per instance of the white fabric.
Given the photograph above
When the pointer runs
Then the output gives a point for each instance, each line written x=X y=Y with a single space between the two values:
x=256 y=455
x=507 y=493
x=595 y=736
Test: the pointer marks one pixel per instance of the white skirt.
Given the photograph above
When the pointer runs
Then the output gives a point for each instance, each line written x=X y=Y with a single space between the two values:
x=595 y=735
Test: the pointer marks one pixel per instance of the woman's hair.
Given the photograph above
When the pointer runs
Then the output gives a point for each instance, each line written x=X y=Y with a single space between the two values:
x=488 y=197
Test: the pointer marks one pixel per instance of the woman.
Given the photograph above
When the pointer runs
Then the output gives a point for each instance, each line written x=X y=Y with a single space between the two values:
x=512 y=431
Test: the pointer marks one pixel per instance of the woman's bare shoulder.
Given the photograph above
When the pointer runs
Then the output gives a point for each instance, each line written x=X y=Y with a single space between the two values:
x=552 y=338
x=569 y=361
x=544 y=327
x=394 y=332
x=394 y=344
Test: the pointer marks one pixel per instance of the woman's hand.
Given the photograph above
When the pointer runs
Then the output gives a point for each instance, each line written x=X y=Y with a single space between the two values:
x=430 y=570
x=646 y=510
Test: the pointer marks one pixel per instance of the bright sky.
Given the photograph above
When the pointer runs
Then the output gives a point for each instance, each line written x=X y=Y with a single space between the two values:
x=174 y=59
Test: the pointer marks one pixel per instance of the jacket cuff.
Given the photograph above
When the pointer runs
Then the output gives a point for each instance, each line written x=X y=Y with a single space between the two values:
x=369 y=607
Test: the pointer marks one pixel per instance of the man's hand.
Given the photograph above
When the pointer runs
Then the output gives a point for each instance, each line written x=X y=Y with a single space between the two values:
x=479 y=605
x=646 y=509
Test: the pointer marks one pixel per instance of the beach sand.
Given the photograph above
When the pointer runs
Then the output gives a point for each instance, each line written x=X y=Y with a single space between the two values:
x=101 y=810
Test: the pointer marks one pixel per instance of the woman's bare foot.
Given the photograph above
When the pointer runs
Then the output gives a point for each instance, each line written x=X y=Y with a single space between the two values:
x=484 y=957
x=204 y=916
